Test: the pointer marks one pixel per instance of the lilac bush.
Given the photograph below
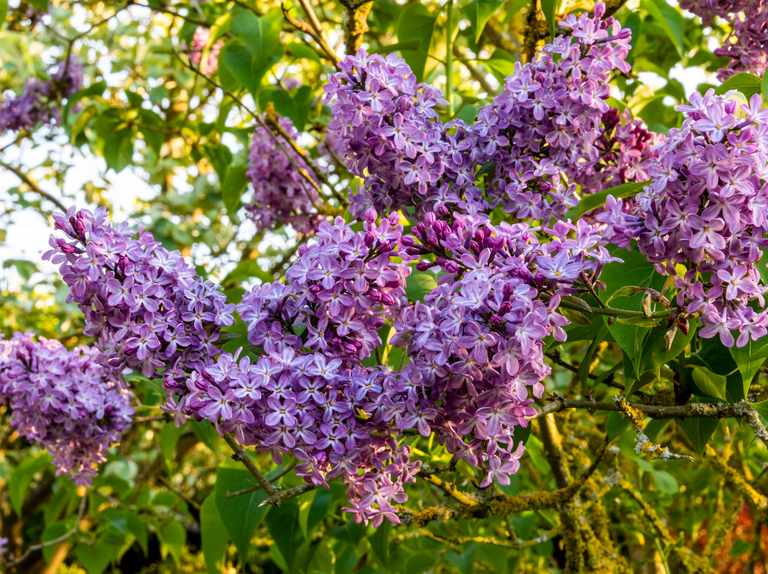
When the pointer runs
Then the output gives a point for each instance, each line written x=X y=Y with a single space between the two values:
x=38 y=103
x=69 y=402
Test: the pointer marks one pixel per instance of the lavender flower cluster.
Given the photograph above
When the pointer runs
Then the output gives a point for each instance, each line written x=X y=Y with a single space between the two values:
x=551 y=121
x=281 y=195
x=475 y=343
x=37 y=104
x=210 y=65
x=747 y=43
x=145 y=305
x=547 y=123
x=705 y=210
x=304 y=394
x=69 y=402
x=388 y=131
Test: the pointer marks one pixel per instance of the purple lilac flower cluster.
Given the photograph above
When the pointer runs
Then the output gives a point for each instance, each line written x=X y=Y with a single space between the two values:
x=145 y=305
x=547 y=122
x=304 y=394
x=747 y=42
x=339 y=292
x=37 y=104
x=706 y=210
x=388 y=132
x=210 y=66
x=475 y=343
x=69 y=402
x=310 y=406
x=281 y=195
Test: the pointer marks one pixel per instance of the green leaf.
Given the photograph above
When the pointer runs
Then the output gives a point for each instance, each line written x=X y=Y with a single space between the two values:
x=261 y=37
x=671 y=21
x=595 y=200
x=169 y=436
x=764 y=87
x=3 y=11
x=97 y=556
x=699 y=430
x=241 y=514
x=749 y=359
x=22 y=476
x=214 y=535
x=416 y=24
x=633 y=271
x=418 y=284
x=655 y=352
x=709 y=383
x=173 y=537
x=24 y=268
x=665 y=482
x=478 y=12
x=747 y=84
x=551 y=9
x=118 y=149
x=380 y=542
x=233 y=186
x=127 y=522
x=321 y=505
x=283 y=526
x=235 y=68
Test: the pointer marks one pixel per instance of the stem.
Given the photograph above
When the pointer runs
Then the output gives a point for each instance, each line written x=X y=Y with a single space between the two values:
x=449 y=57
x=612 y=312
x=243 y=457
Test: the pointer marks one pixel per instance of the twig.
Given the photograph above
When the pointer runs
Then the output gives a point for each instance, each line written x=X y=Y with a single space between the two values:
x=317 y=29
x=53 y=541
x=357 y=25
x=32 y=185
x=741 y=410
x=243 y=457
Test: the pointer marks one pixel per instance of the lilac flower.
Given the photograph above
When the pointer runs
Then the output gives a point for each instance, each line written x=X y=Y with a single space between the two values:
x=386 y=127
x=747 y=43
x=146 y=306
x=281 y=195
x=551 y=128
x=701 y=218
x=476 y=342
x=37 y=104
x=68 y=402
x=339 y=292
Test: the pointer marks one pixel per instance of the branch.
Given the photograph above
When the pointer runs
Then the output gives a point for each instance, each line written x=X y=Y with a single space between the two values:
x=243 y=457
x=741 y=410
x=32 y=185
x=317 y=31
x=357 y=25
x=613 y=312
x=53 y=541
